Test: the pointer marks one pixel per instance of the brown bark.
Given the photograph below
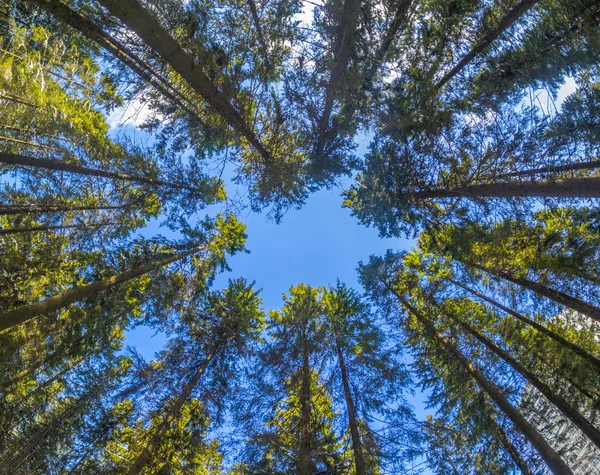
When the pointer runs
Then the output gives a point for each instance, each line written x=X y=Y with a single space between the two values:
x=548 y=454
x=568 y=411
x=92 y=31
x=399 y=19
x=341 y=55
x=9 y=210
x=305 y=458
x=78 y=294
x=549 y=333
x=171 y=415
x=513 y=15
x=512 y=450
x=581 y=187
x=55 y=165
x=355 y=435
x=142 y=22
x=259 y=31
x=590 y=165
x=573 y=303
x=51 y=228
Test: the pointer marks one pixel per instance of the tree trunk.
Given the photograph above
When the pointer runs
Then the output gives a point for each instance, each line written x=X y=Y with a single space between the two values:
x=9 y=210
x=171 y=414
x=548 y=454
x=55 y=165
x=593 y=164
x=341 y=55
x=399 y=18
x=568 y=411
x=573 y=303
x=356 y=442
x=305 y=459
x=259 y=32
x=581 y=187
x=142 y=22
x=77 y=294
x=513 y=15
x=92 y=31
x=549 y=333
x=512 y=450
x=52 y=228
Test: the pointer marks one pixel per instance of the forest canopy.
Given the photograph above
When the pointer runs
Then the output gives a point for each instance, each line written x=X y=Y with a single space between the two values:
x=469 y=126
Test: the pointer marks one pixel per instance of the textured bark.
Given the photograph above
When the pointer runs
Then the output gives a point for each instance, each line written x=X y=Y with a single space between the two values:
x=548 y=454
x=95 y=33
x=583 y=187
x=55 y=165
x=9 y=210
x=513 y=15
x=512 y=450
x=171 y=415
x=568 y=411
x=399 y=19
x=341 y=55
x=305 y=458
x=135 y=17
x=591 y=165
x=573 y=303
x=355 y=435
x=549 y=333
x=259 y=31
x=77 y=294
x=51 y=228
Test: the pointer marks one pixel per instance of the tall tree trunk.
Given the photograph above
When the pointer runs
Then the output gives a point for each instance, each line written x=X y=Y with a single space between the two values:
x=581 y=187
x=259 y=31
x=9 y=210
x=512 y=450
x=573 y=303
x=549 y=333
x=77 y=294
x=356 y=442
x=55 y=165
x=568 y=411
x=92 y=31
x=399 y=19
x=143 y=23
x=172 y=414
x=341 y=55
x=507 y=21
x=305 y=459
x=591 y=165
x=52 y=228
x=548 y=454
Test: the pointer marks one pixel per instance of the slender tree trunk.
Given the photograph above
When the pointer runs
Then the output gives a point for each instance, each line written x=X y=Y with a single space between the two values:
x=305 y=459
x=512 y=450
x=341 y=55
x=77 y=294
x=171 y=414
x=574 y=303
x=399 y=19
x=55 y=165
x=548 y=454
x=356 y=442
x=568 y=411
x=513 y=15
x=259 y=31
x=143 y=23
x=52 y=228
x=549 y=333
x=89 y=29
x=591 y=165
x=9 y=210
x=580 y=187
